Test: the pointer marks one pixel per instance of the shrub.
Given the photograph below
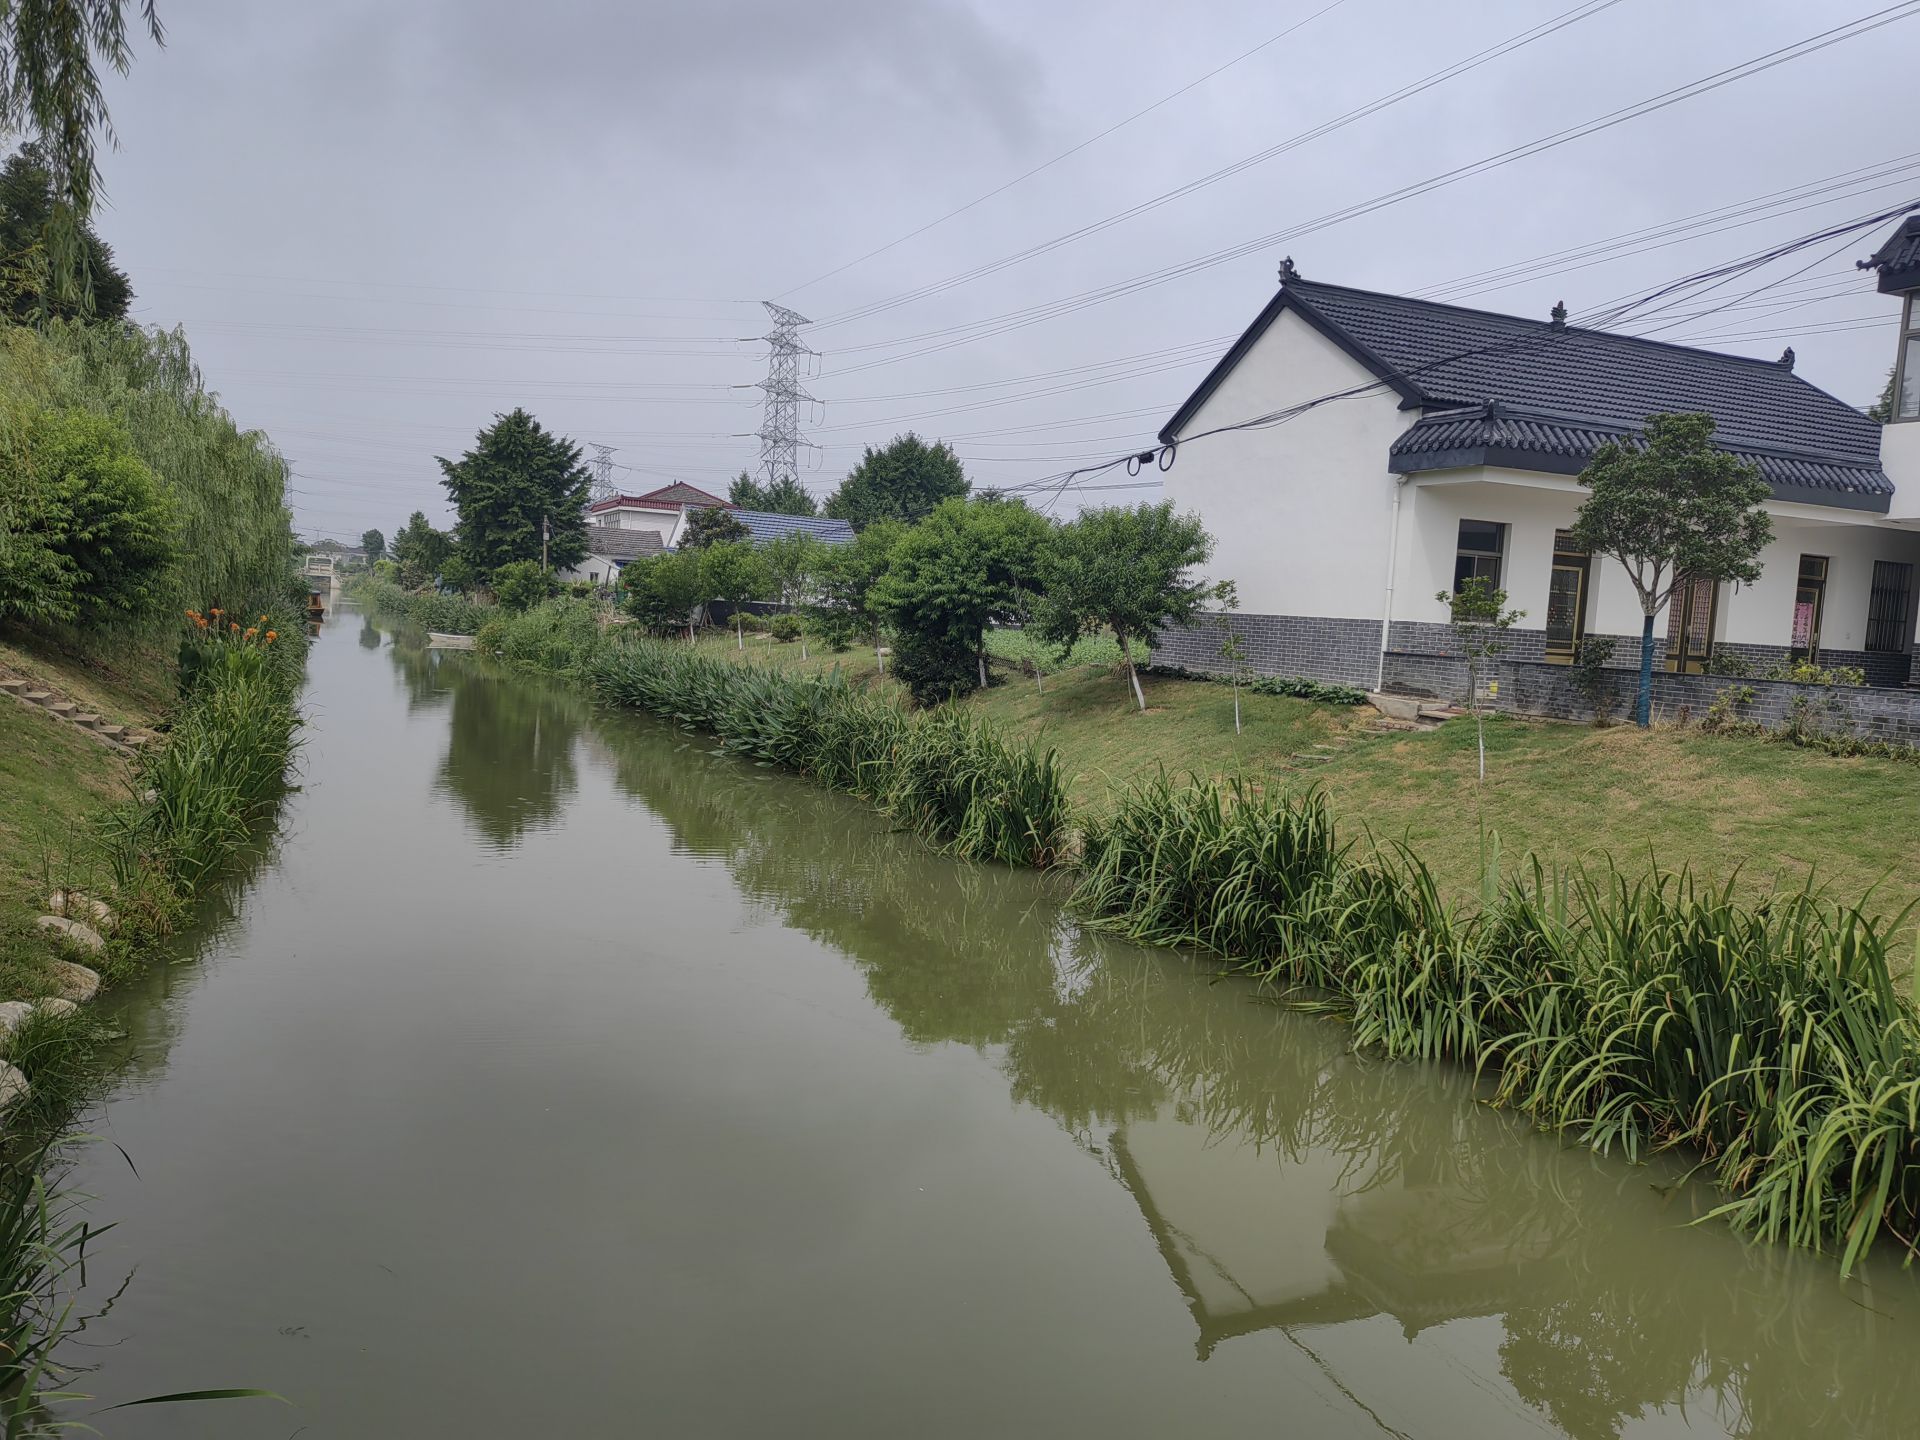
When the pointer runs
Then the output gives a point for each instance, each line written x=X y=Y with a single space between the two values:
x=951 y=777
x=86 y=531
x=562 y=635
x=443 y=614
x=786 y=628
x=934 y=666
x=522 y=584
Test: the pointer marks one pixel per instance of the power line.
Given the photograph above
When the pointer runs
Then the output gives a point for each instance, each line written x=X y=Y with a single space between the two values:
x=969 y=332
x=1328 y=127
x=1064 y=154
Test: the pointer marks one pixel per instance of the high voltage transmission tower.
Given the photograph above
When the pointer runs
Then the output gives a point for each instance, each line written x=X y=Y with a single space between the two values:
x=602 y=465
x=779 y=432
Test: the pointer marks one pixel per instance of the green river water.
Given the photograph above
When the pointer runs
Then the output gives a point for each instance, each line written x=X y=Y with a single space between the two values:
x=556 y=1076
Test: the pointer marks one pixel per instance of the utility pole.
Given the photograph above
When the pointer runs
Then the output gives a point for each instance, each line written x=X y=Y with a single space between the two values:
x=779 y=432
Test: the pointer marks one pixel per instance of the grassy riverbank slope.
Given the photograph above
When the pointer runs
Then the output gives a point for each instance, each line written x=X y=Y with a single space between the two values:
x=1566 y=793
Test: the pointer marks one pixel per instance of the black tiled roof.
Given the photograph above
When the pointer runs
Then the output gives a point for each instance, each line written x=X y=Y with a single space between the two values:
x=612 y=542
x=1444 y=357
x=1898 y=261
x=1502 y=435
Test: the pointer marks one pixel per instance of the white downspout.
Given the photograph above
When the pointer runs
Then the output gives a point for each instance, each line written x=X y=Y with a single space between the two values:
x=1393 y=559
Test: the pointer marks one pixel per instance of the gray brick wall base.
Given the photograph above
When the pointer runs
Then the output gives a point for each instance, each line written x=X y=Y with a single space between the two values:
x=1341 y=652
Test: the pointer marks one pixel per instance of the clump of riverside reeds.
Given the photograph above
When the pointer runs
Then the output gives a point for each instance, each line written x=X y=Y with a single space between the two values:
x=429 y=609
x=951 y=778
x=1636 y=1015
x=222 y=770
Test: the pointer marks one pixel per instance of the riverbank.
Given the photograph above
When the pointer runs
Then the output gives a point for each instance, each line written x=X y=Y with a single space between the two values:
x=105 y=847
x=1791 y=1074
x=1729 y=808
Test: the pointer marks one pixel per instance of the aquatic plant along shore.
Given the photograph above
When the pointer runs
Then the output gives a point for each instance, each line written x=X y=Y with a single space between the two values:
x=1636 y=1014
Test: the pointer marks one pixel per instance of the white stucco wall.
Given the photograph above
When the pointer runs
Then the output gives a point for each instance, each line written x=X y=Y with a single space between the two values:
x=664 y=523
x=1299 y=512
x=1534 y=506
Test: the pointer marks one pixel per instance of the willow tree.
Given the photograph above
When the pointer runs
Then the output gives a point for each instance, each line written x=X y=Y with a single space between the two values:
x=51 y=52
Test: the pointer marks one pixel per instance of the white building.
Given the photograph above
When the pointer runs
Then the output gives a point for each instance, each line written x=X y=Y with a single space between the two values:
x=609 y=549
x=1446 y=441
x=663 y=511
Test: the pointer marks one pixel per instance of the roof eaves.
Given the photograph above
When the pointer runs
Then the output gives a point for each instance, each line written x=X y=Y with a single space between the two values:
x=1282 y=300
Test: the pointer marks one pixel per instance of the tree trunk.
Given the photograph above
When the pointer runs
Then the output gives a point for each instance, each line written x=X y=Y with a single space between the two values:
x=739 y=631
x=1643 y=702
x=1133 y=675
x=980 y=659
x=1236 y=704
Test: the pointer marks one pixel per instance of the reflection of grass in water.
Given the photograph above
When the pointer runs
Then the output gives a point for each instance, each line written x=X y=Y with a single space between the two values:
x=1607 y=1311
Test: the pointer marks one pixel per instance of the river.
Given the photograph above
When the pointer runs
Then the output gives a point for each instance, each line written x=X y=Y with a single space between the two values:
x=558 y=1076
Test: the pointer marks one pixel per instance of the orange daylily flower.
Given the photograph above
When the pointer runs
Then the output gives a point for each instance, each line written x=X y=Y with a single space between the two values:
x=272 y=636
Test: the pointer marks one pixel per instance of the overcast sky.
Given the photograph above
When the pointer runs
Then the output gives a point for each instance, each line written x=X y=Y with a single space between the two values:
x=382 y=221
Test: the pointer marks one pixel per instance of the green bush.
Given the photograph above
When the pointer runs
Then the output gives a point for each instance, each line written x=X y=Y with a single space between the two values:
x=562 y=635
x=86 y=531
x=787 y=628
x=523 y=584
x=430 y=610
x=934 y=666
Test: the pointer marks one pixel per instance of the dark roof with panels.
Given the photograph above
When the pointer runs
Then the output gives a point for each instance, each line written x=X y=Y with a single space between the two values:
x=1576 y=387
x=765 y=525
x=1898 y=261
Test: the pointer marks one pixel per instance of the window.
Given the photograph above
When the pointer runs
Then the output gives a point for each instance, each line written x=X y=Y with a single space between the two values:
x=1566 y=597
x=1478 y=552
x=1809 y=600
x=1887 y=606
x=1906 y=398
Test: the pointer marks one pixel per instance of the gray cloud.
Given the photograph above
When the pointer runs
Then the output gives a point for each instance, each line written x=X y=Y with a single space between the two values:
x=381 y=223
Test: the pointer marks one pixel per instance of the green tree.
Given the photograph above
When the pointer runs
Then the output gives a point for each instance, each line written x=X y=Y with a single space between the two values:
x=521 y=493
x=662 y=591
x=1130 y=571
x=375 y=544
x=29 y=292
x=846 y=581
x=733 y=573
x=747 y=492
x=523 y=585
x=794 y=565
x=1672 y=509
x=420 y=550
x=712 y=526
x=903 y=482
x=787 y=496
x=86 y=531
x=1882 y=409
x=966 y=566
x=50 y=90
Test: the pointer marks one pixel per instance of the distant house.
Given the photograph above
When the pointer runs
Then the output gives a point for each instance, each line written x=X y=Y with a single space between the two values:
x=664 y=512
x=1445 y=442
x=609 y=549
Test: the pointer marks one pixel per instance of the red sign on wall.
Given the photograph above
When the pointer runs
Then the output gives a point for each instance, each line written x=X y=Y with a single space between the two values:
x=1803 y=625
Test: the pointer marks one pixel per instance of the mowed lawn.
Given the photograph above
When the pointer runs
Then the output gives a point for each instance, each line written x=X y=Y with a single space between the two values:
x=1749 y=810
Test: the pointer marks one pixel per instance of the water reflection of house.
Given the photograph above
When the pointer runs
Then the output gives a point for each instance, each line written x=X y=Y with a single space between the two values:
x=1257 y=1240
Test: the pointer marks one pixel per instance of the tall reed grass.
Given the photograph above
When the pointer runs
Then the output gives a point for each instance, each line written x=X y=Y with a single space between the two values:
x=430 y=610
x=1634 y=1014
x=953 y=779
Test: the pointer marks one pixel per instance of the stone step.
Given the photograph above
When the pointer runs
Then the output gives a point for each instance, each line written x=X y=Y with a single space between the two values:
x=64 y=708
x=12 y=685
x=86 y=718
x=38 y=697
x=112 y=732
x=1310 y=759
